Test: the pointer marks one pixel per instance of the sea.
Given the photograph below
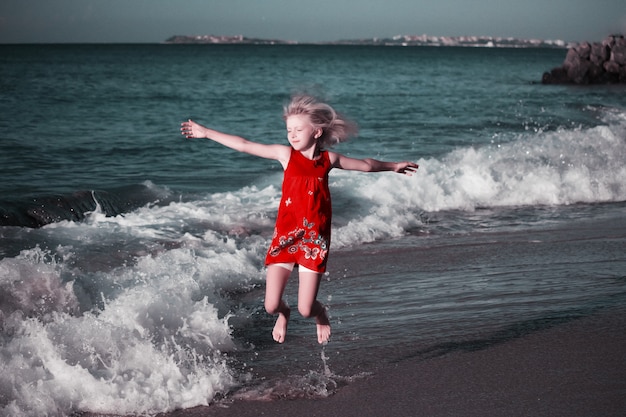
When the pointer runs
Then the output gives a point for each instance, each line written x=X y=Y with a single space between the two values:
x=132 y=259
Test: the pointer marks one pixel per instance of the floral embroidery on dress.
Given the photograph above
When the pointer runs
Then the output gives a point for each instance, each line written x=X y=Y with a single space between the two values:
x=313 y=246
x=311 y=253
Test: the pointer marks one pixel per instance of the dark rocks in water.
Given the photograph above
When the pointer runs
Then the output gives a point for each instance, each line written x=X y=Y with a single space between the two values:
x=38 y=211
x=597 y=63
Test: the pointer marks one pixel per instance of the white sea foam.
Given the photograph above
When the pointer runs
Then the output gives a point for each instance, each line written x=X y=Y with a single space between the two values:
x=560 y=167
x=552 y=168
x=157 y=345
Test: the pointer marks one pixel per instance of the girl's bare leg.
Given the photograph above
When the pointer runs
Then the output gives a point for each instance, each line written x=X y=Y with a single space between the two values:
x=276 y=281
x=308 y=305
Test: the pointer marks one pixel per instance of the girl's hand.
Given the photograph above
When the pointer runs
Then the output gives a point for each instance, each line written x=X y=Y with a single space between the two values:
x=192 y=130
x=406 y=168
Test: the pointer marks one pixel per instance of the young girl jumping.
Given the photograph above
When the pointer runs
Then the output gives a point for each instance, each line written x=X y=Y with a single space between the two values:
x=302 y=232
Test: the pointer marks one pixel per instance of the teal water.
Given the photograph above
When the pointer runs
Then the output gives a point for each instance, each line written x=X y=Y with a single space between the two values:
x=131 y=259
x=101 y=116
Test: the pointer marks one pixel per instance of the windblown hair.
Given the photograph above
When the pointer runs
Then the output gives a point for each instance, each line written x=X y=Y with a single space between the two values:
x=335 y=127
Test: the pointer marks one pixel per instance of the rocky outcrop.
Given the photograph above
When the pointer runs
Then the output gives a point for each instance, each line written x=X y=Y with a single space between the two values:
x=597 y=63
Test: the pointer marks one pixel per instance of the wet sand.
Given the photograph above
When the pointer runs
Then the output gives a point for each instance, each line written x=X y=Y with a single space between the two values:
x=573 y=369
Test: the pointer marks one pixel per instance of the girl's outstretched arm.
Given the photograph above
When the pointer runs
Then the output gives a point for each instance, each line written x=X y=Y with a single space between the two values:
x=371 y=165
x=191 y=129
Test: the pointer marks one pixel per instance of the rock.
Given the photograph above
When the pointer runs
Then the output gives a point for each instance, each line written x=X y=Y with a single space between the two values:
x=596 y=72
x=556 y=76
x=571 y=59
x=592 y=63
x=599 y=53
x=611 y=67
x=618 y=53
x=609 y=41
x=579 y=72
x=584 y=50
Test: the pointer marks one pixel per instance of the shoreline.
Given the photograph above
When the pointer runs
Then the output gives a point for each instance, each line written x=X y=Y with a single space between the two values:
x=398 y=40
x=575 y=368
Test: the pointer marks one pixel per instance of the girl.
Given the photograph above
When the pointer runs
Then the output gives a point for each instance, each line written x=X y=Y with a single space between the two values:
x=302 y=232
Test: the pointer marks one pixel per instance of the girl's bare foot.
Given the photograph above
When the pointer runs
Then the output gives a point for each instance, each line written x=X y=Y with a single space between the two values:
x=280 y=328
x=323 y=327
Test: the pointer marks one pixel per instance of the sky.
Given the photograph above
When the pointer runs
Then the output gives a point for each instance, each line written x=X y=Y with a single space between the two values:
x=148 y=21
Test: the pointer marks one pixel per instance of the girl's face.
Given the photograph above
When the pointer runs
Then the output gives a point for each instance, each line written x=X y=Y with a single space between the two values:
x=301 y=134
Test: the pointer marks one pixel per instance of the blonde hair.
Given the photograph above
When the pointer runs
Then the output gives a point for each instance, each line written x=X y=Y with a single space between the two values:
x=335 y=127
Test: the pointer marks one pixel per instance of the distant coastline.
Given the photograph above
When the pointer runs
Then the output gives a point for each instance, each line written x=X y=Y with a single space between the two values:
x=399 y=40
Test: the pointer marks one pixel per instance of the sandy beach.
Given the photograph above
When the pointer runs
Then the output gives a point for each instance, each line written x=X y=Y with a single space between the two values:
x=576 y=368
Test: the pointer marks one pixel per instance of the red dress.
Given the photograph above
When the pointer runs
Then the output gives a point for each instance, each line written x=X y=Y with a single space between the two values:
x=302 y=232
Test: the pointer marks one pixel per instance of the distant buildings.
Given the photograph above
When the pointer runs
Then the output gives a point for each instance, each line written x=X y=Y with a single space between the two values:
x=399 y=40
x=208 y=39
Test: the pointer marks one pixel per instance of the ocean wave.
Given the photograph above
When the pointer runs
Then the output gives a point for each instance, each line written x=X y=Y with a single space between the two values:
x=156 y=343
x=41 y=210
x=562 y=167
x=554 y=167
